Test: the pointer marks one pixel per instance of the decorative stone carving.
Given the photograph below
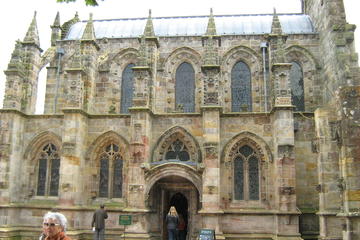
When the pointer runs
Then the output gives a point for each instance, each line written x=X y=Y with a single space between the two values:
x=68 y=149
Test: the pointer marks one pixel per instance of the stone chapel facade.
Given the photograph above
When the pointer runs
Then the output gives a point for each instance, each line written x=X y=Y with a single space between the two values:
x=247 y=124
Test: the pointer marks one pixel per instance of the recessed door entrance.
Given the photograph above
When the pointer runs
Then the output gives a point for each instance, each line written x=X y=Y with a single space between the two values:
x=181 y=193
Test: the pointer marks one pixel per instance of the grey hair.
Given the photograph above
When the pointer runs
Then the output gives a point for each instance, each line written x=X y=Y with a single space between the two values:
x=57 y=216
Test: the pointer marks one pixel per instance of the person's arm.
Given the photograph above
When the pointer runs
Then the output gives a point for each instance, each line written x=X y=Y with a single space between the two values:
x=105 y=214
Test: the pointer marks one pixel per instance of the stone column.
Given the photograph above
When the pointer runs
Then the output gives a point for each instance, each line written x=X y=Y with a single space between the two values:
x=287 y=219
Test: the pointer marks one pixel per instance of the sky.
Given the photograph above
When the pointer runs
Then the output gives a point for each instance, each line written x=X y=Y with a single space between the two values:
x=16 y=15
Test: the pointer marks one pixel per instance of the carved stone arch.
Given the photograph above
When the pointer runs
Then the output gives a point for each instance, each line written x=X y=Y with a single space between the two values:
x=171 y=64
x=163 y=143
x=254 y=61
x=301 y=55
x=38 y=141
x=173 y=169
x=31 y=155
x=310 y=69
x=180 y=55
x=123 y=58
x=101 y=141
x=247 y=138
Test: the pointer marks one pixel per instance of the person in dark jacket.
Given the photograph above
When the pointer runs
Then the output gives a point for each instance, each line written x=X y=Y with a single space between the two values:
x=172 y=220
x=98 y=223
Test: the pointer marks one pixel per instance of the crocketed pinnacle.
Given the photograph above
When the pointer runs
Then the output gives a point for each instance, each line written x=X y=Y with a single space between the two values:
x=32 y=35
x=276 y=25
x=211 y=27
x=89 y=32
x=56 y=23
x=149 y=27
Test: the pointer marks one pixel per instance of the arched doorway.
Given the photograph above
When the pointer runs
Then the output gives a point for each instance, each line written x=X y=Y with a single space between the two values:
x=181 y=193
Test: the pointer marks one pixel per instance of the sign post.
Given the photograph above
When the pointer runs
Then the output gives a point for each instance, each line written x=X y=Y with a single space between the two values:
x=124 y=220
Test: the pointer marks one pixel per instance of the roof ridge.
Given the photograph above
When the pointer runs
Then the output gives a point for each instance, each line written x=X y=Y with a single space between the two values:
x=196 y=16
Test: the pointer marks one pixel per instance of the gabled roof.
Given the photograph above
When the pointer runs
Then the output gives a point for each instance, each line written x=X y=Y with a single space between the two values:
x=195 y=26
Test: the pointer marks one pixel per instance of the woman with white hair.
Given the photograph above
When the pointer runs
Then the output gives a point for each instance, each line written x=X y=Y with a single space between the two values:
x=54 y=226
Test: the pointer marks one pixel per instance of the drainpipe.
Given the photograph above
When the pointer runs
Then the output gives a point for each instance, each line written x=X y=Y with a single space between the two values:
x=263 y=47
x=60 y=52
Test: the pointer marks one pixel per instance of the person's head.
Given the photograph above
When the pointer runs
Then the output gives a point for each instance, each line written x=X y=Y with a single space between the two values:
x=54 y=223
x=172 y=211
x=102 y=206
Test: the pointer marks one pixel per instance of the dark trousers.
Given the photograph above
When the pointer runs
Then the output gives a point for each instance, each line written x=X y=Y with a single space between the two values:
x=99 y=233
x=172 y=234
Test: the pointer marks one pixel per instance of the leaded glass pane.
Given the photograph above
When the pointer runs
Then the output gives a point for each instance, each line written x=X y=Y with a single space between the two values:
x=104 y=176
x=239 y=178
x=177 y=151
x=246 y=151
x=253 y=178
x=42 y=177
x=127 y=89
x=54 y=178
x=185 y=87
x=241 y=88
x=297 y=87
x=117 y=188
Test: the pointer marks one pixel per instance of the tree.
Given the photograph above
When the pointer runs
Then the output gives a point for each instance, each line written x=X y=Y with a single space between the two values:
x=87 y=2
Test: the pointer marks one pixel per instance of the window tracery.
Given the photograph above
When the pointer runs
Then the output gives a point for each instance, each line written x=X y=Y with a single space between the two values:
x=177 y=151
x=48 y=171
x=111 y=167
x=246 y=174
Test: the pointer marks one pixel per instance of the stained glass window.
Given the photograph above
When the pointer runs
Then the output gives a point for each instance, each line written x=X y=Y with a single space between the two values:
x=48 y=171
x=241 y=88
x=246 y=174
x=177 y=151
x=297 y=87
x=185 y=88
x=127 y=89
x=239 y=178
x=111 y=169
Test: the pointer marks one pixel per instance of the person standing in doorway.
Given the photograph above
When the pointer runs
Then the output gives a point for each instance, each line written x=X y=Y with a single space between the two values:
x=172 y=221
x=98 y=223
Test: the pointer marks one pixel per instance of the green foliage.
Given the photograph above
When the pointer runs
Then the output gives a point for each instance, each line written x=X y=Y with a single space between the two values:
x=87 y=2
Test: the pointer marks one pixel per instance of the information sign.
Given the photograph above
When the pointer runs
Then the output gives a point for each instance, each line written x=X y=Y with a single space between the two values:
x=125 y=220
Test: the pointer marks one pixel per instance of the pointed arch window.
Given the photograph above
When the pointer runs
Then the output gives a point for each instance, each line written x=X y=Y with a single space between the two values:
x=246 y=174
x=185 y=88
x=48 y=171
x=111 y=168
x=241 y=88
x=127 y=88
x=177 y=151
x=297 y=86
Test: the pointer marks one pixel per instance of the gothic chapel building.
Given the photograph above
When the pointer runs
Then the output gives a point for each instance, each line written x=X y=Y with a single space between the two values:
x=247 y=124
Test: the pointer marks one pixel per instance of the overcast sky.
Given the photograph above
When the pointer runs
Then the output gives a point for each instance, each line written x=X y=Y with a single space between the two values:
x=16 y=15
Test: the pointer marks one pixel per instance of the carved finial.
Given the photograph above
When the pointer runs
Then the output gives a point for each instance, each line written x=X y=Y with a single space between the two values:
x=89 y=32
x=276 y=25
x=149 y=28
x=211 y=27
x=32 y=35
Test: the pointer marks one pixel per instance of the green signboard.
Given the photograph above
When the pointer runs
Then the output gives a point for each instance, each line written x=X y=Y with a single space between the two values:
x=125 y=220
x=207 y=234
